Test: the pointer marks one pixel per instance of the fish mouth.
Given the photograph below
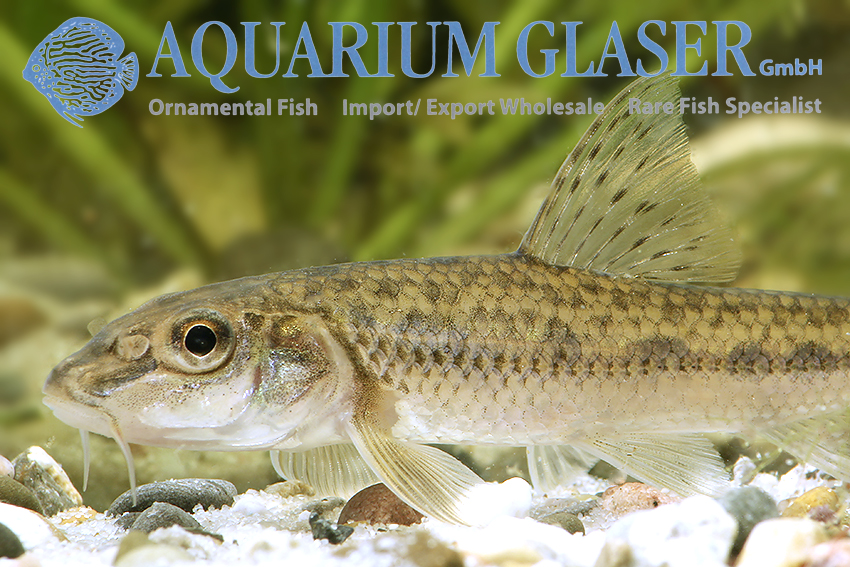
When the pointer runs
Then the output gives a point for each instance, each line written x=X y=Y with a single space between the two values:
x=79 y=415
x=68 y=408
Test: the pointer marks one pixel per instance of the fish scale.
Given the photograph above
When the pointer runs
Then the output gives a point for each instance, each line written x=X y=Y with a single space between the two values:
x=589 y=342
x=593 y=349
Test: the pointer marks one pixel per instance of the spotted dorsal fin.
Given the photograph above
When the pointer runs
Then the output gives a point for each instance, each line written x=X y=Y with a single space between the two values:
x=628 y=200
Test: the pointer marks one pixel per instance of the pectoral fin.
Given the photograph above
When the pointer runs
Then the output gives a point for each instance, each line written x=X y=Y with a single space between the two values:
x=428 y=479
x=337 y=470
x=686 y=464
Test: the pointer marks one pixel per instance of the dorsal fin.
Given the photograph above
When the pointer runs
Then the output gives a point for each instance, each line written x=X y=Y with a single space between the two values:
x=628 y=200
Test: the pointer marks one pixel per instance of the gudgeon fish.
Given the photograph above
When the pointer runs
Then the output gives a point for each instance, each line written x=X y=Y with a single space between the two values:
x=596 y=339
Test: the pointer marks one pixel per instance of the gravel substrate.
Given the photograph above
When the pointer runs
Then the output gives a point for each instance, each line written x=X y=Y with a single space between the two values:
x=630 y=524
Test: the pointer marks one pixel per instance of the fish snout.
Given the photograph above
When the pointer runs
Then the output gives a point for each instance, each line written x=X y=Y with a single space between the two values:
x=67 y=378
x=62 y=384
x=65 y=396
x=52 y=386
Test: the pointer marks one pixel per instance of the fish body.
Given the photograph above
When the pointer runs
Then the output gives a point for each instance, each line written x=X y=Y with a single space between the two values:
x=508 y=350
x=79 y=68
x=589 y=342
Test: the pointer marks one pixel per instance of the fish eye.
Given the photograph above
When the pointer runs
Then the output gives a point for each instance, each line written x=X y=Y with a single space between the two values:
x=200 y=340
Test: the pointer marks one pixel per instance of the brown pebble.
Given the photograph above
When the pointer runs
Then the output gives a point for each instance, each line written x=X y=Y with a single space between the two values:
x=289 y=488
x=823 y=514
x=378 y=505
x=814 y=498
x=634 y=496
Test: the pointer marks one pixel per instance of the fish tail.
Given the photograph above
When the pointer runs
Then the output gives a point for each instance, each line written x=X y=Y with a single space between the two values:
x=128 y=71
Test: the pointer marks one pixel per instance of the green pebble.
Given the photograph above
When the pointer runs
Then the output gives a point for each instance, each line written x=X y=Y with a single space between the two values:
x=749 y=506
x=15 y=493
x=10 y=545
x=569 y=522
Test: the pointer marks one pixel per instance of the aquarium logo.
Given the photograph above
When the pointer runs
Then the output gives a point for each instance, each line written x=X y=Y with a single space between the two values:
x=77 y=67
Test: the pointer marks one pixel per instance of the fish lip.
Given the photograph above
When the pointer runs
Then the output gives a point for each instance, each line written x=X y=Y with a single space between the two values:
x=78 y=414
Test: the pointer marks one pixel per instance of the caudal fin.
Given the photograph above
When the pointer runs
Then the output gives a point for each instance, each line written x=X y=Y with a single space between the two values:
x=128 y=71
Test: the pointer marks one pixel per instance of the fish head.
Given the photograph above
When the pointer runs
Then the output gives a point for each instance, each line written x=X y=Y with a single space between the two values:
x=37 y=72
x=213 y=368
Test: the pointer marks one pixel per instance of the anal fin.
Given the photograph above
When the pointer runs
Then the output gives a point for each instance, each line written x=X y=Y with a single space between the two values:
x=337 y=470
x=428 y=479
x=822 y=441
x=685 y=463
x=555 y=465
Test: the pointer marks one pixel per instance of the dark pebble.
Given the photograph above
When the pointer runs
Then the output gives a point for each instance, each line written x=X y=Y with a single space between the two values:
x=185 y=493
x=325 y=529
x=125 y=520
x=324 y=505
x=377 y=504
x=54 y=497
x=749 y=506
x=164 y=515
x=13 y=492
x=569 y=522
x=10 y=545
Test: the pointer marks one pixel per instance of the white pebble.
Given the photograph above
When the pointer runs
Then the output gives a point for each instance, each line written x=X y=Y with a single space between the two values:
x=694 y=532
x=766 y=482
x=744 y=471
x=159 y=554
x=6 y=467
x=491 y=500
x=250 y=503
x=515 y=541
x=38 y=455
x=782 y=542
x=30 y=527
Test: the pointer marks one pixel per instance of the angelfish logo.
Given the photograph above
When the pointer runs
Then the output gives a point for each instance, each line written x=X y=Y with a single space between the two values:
x=77 y=67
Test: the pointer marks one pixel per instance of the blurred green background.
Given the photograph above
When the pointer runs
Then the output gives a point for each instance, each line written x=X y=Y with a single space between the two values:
x=93 y=221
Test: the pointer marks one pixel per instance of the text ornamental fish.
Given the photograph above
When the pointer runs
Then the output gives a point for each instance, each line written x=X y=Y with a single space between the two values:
x=589 y=342
x=77 y=67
